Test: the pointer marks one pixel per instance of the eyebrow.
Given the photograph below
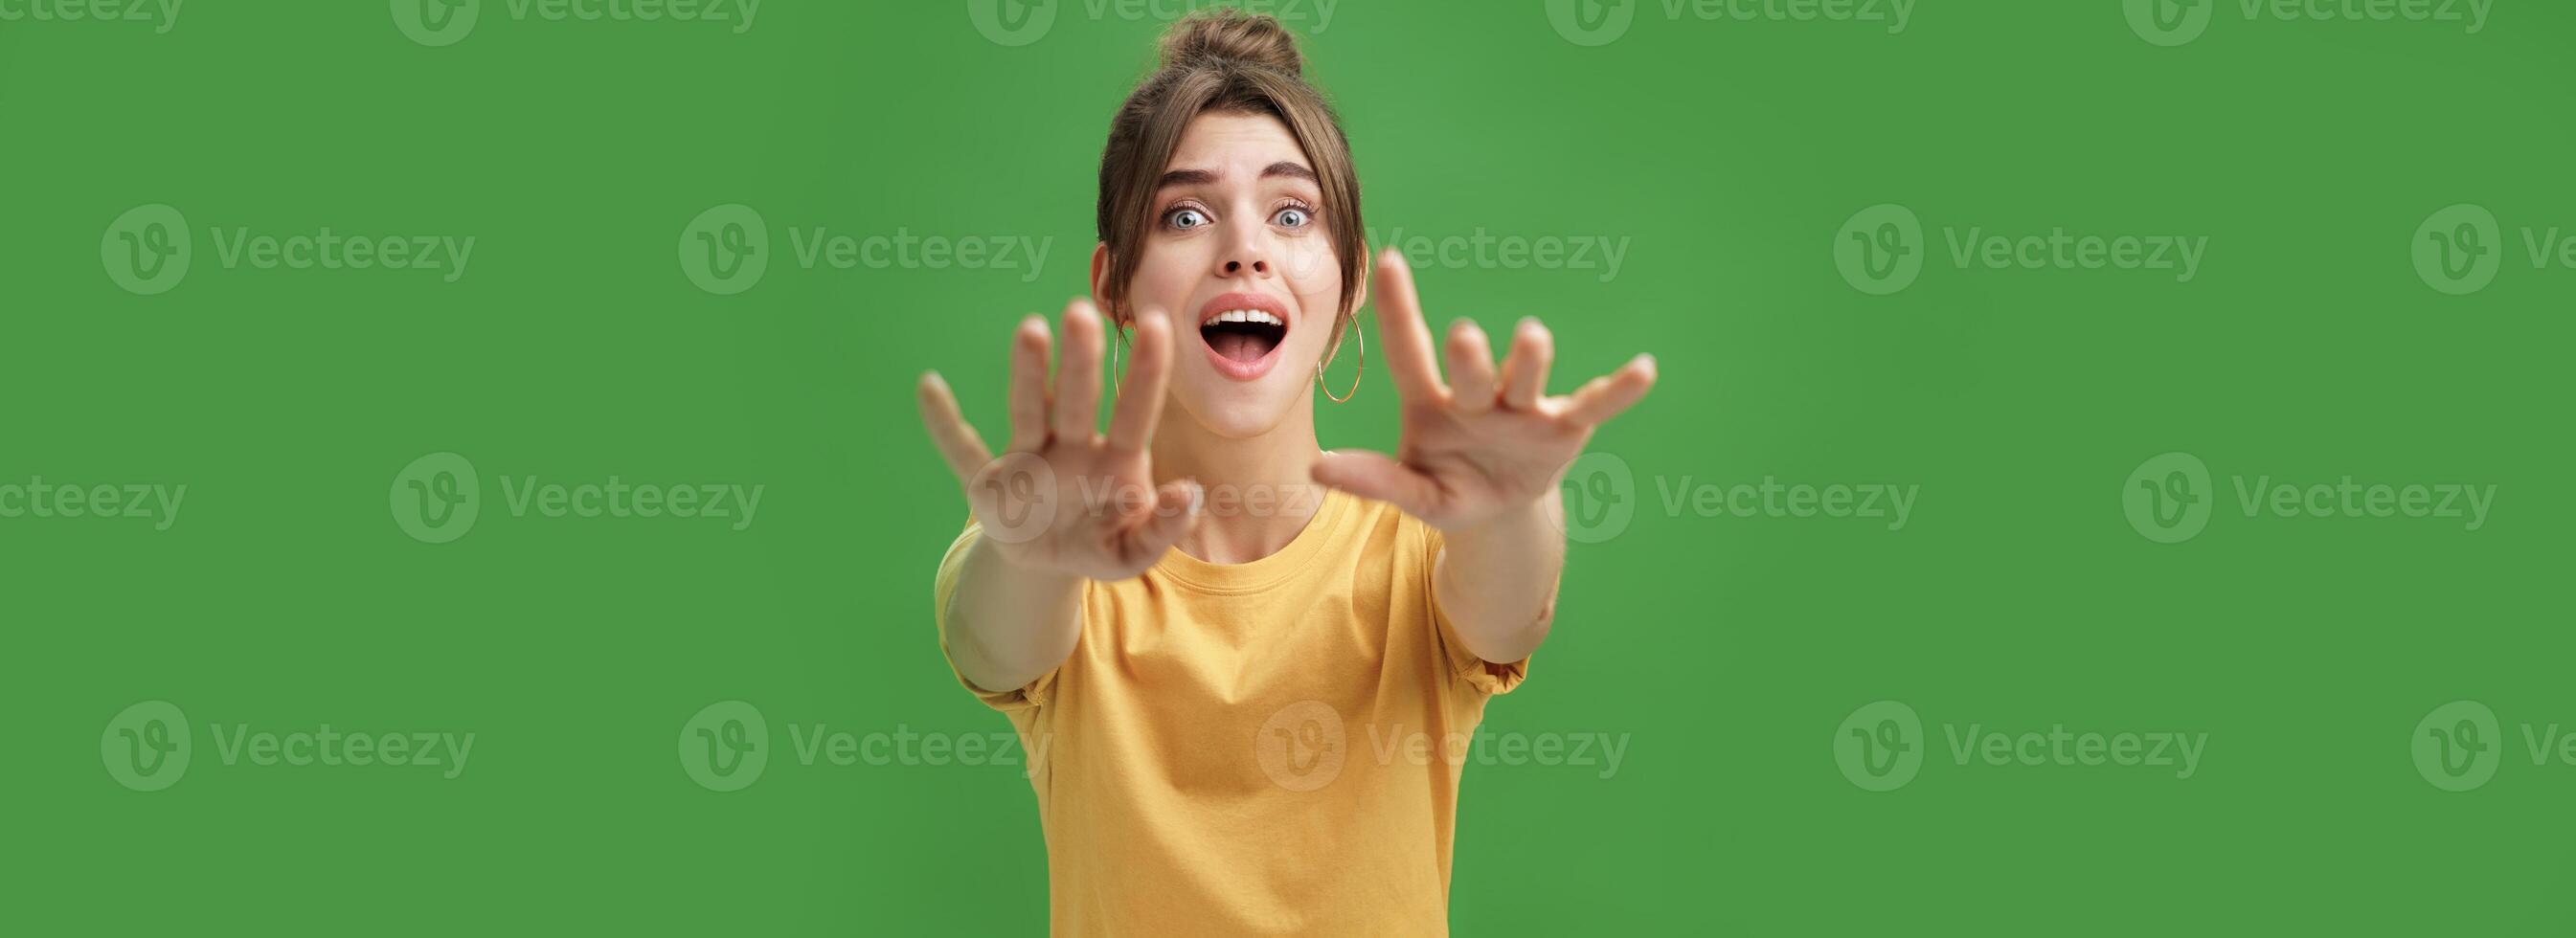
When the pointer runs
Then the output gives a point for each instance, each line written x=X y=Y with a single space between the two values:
x=1200 y=177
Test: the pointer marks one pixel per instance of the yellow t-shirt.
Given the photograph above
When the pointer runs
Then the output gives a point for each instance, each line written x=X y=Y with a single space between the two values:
x=1262 y=748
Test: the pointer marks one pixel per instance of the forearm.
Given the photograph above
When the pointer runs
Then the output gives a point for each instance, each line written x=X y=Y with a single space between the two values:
x=1497 y=581
x=1005 y=624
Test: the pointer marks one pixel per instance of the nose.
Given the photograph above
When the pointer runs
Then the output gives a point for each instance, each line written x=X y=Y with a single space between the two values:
x=1246 y=253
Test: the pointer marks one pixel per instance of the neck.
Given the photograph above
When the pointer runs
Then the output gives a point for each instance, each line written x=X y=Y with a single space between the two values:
x=1260 y=490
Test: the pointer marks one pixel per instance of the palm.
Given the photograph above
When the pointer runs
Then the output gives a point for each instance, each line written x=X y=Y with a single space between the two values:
x=1483 y=443
x=1063 y=497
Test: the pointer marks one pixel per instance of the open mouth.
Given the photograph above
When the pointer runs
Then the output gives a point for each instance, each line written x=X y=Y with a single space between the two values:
x=1241 y=330
x=1243 y=335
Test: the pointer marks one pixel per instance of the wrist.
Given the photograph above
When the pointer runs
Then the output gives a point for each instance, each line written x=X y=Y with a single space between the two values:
x=1538 y=518
x=1026 y=570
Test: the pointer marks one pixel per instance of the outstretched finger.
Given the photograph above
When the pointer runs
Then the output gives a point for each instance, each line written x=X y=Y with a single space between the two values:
x=1375 y=475
x=1400 y=329
x=1028 y=385
x=1140 y=398
x=957 y=441
x=1525 y=369
x=1604 y=397
x=1471 y=367
x=1077 y=377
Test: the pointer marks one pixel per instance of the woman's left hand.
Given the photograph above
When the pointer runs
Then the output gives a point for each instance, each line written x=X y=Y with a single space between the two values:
x=1482 y=445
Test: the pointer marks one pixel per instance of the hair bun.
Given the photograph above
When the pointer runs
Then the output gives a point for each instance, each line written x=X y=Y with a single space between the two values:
x=1228 y=35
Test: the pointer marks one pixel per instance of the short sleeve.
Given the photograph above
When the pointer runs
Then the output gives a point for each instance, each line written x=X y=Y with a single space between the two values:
x=1032 y=694
x=1483 y=676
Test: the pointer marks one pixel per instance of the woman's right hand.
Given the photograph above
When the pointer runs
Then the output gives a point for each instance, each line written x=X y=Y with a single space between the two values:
x=1062 y=498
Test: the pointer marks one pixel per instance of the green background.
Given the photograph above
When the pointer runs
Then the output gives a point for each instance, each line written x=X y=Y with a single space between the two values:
x=1726 y=649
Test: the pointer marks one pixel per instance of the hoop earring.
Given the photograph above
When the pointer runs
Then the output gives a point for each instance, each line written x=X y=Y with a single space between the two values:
x=1117 y=372
x=1355 y=377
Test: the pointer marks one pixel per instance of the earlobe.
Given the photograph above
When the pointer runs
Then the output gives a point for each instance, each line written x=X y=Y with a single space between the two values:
x=1100 y=275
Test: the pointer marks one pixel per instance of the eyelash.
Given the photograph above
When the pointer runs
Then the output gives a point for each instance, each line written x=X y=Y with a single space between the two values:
x=1293 y=203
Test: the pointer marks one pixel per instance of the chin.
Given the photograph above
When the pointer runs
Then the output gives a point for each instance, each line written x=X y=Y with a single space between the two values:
x=1237 y=411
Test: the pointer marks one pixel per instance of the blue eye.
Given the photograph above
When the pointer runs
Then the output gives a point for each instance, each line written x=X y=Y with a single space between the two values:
x=1294 y=217
x=1188 y=218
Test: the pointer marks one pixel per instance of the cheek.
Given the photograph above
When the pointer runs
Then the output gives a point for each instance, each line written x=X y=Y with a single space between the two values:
x=1317 y=282
x=1165 y=273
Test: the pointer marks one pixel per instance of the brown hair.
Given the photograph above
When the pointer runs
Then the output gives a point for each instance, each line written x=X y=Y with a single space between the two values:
x=1222 y=60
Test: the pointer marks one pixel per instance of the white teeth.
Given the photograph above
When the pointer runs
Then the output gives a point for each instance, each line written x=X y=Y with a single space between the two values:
x=1248 y=315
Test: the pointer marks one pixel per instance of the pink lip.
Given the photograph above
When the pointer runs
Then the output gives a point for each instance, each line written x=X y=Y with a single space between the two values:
x=1254 y=369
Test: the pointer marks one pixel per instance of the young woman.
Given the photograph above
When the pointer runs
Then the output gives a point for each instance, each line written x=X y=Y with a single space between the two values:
x=1245 y=669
